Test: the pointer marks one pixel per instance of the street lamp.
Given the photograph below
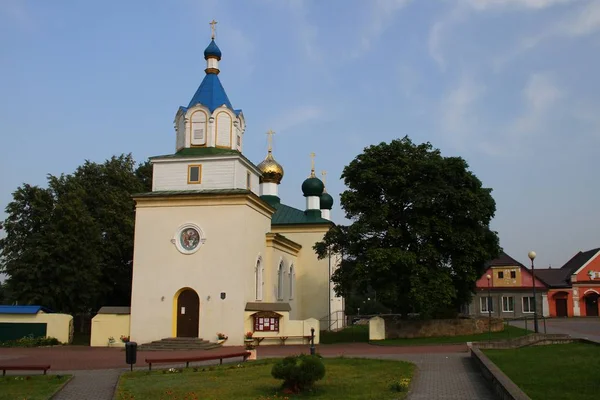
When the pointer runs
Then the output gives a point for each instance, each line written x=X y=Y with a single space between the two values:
x=489 y=307
x=535 y=321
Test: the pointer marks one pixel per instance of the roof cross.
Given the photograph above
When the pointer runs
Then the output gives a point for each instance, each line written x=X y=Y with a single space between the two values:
x=270 y=134
x=312 y=165
x=213 y=28
x=324 y=175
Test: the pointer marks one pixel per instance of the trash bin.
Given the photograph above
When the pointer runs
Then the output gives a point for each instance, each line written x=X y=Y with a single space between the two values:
x=131 y=353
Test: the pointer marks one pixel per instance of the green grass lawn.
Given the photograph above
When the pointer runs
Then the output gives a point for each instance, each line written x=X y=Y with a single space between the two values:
x=352 y=333
x=37 y=387
x=345 y=378
x=553 y=372
x=507 y=333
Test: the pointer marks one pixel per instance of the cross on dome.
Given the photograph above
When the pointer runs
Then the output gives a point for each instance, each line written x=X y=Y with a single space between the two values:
x=312 y=165
x=270 y=134
x=213 y=29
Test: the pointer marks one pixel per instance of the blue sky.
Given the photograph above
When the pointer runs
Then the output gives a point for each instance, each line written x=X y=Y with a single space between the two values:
x=510 y=85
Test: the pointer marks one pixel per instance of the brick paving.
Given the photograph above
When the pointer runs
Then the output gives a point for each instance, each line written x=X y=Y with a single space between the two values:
x=444 y=372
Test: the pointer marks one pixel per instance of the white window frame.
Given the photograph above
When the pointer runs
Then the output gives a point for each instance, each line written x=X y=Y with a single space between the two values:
x=280 y=281
x=292 y=278
x=259 y=279
x=508 y=298
x=529 y=303
x=482 y=303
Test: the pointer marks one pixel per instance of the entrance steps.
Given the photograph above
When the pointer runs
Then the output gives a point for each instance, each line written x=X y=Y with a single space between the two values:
x=178 y=343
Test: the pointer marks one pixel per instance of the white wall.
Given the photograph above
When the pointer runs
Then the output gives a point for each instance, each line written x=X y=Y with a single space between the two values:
x=173 y=175
x=235 y=236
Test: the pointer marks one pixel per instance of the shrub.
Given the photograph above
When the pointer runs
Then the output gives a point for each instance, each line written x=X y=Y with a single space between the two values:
x=400 y=386
x=299 y=372
x=30 y=341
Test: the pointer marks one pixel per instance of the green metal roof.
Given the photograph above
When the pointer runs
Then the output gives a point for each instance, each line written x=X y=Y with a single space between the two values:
x=286 y=215
x=203 y=152
x=161 y=193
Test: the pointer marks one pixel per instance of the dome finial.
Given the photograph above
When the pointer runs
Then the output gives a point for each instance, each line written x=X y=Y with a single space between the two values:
x=271 y=170
x=324 y=179
x=213 y=29
x=312 y=165
x=270 y=134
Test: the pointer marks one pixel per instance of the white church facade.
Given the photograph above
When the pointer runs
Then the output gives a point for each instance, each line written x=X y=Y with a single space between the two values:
x=216 y=250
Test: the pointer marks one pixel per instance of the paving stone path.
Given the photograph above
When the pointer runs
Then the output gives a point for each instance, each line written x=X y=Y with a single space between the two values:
x=439 y=377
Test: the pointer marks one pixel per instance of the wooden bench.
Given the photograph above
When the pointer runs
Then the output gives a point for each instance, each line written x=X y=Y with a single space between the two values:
x=282 y=339
x=188 y=360
x=28 y=367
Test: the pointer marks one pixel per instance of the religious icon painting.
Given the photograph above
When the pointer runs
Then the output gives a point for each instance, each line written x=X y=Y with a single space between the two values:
x=188 y=238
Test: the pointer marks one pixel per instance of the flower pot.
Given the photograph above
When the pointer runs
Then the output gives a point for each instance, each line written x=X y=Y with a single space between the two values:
x=221 y=341
x=252 y=355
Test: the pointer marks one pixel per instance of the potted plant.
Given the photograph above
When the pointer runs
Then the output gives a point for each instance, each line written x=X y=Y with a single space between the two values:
x=221 y=337
x=252 y=349
x=248 y=337
x=111 y=341
x=124 y=338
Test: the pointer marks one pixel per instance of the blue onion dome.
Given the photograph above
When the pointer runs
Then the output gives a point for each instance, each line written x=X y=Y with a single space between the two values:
x=312 y=186
x=212 y=51
x=326 y=201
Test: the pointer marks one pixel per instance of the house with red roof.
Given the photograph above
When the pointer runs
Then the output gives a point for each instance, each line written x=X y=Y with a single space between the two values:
x=574 y=289
x=505 y=290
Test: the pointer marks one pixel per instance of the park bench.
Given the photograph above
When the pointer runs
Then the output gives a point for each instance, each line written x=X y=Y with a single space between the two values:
x=188 y=359
x=24 y=367
x=282 y=339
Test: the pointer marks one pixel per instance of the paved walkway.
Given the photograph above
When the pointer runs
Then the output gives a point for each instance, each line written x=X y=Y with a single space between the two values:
x=444 y=372
x=583 y=327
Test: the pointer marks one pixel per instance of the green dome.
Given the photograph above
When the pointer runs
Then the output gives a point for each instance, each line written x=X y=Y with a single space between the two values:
x=326 y=201
x=312 y=187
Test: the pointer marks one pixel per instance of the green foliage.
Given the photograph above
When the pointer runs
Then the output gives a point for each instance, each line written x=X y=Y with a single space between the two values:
x=350 y=334
x=400 y=386
x=299 y=373
x=30 y=341
x=69 y=246
x=420 y=231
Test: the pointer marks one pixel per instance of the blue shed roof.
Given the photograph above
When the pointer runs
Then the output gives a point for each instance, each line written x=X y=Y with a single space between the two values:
x=211 y=94
x=4 y=309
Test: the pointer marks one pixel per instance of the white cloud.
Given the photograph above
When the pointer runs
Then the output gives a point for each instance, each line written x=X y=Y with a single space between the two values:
x=540 y=95
x=458 y=117
x=531 y=4
x=382 y=17
x=295 y=117
x=439 y=30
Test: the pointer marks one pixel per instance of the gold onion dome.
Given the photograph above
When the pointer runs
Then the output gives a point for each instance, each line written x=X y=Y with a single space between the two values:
x=272 y=171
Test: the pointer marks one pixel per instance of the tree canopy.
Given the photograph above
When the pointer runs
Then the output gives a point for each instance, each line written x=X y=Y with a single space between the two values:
x=69 y=246
x=419 y=233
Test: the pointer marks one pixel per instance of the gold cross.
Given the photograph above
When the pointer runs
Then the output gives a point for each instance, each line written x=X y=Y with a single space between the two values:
x=213 y=28
x=324 y=175
x=270 y=134
x=312 y=164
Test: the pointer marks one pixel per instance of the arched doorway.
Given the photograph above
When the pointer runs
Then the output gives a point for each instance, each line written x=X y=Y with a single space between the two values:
x=591 y=304
x=188 y=313
x=560 y=304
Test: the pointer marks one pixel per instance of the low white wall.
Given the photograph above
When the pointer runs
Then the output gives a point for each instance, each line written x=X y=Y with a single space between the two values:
x=107 y=325
x=376 y=328
x=59 y=326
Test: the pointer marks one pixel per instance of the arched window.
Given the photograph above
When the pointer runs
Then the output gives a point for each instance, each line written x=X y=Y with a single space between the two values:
x=280 y=281
x=258 y=275
x=292 y=279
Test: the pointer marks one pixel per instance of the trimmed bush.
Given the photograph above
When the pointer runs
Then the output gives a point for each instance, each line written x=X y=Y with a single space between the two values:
x=299 y=373
x=30 y=341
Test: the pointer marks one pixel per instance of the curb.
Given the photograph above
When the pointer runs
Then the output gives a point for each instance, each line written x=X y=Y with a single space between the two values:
x=57 y=391
x=501 y=384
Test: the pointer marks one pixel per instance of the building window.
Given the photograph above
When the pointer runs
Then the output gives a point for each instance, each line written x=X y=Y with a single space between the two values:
x=292 y=278
x=528 y=304
x=280 y=282
x=513 y=274
x=508 y=304
x=248 y=180
x=195 y=173
x=259 y=280
x=484 y=303
x=501 y=275
x=266 y=322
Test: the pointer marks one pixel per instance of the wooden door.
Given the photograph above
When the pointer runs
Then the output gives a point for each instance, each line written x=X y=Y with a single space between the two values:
x=561 y=308
x=591 y=305
x=188 y=314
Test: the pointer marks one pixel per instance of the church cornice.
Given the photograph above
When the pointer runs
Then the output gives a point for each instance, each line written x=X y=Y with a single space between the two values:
x=209 y=197
x=282 y=243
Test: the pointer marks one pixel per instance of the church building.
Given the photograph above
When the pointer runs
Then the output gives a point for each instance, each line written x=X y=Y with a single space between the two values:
x=216 y=250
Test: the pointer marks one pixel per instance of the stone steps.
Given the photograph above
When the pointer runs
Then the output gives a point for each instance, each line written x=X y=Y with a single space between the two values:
x=171 y=344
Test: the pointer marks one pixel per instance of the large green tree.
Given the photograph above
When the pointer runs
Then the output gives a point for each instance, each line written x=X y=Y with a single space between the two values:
x=70 y=246
x=420 y=232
